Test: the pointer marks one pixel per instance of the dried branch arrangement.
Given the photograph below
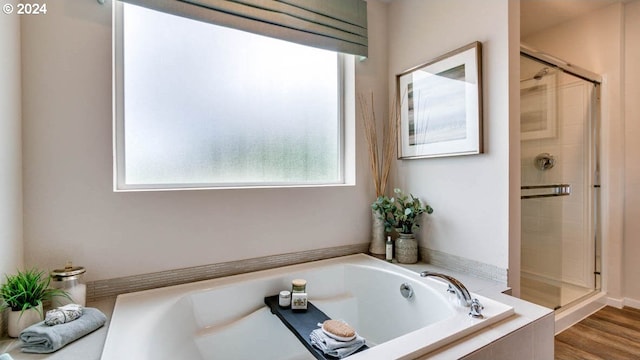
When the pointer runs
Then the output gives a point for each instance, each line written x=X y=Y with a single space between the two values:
x=380 y=159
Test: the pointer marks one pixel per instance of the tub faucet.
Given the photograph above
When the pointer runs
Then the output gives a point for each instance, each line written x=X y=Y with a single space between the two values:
x=455 y=286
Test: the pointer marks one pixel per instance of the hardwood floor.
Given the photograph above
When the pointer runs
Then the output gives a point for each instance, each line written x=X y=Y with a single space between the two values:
x=609 y=334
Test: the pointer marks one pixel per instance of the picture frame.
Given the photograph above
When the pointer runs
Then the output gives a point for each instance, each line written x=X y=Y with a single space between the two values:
x=538 y=108
x=441 y=106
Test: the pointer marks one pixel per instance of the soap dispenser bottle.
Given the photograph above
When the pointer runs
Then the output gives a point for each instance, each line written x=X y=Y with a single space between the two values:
x=389 y=248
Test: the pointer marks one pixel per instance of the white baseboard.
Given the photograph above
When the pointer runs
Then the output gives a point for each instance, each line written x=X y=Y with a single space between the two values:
x=618 y=303
x=567 y=318
x=632 y=303
x=575 y=314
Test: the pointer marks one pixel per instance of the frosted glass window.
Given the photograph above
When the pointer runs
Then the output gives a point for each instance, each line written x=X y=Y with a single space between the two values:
x=203 y=106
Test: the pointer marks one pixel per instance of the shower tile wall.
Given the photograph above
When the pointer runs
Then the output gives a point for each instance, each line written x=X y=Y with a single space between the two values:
x=555 y=230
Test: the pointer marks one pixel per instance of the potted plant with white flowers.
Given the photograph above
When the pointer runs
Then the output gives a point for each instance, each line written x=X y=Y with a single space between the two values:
x=23 y=293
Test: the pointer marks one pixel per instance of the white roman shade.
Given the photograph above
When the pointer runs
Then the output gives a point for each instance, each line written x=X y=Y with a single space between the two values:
x=339 y=25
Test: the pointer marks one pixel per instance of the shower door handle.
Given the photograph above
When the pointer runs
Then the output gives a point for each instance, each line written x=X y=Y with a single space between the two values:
x=551 y=191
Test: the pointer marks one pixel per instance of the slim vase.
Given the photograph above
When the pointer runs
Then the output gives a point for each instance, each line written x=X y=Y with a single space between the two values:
x=377 y=247
x=406 y=249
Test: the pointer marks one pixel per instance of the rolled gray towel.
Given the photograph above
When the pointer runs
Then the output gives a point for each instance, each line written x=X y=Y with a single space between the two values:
x=42 y=339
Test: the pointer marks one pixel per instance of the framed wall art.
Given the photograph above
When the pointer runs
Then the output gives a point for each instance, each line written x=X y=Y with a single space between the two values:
x=441 y=106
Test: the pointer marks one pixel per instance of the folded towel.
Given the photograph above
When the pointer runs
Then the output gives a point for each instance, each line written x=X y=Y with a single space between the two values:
x=63 y=314
x=43 y=339
x=333 y=347
x=5 y=356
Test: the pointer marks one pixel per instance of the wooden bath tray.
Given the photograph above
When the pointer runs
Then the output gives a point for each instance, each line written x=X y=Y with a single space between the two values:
x=302 y=323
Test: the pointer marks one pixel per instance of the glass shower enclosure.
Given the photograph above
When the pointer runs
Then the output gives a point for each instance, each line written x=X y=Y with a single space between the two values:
x=560 y=181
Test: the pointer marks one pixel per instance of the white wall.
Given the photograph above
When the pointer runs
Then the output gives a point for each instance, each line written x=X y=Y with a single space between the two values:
x=595 y=42
x=71 y=212
x=10 y=145
x=470 y=194
x=515 y=225
x=632 y=153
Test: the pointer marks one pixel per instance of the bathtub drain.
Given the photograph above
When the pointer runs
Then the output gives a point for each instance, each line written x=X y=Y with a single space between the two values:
x=406 y=290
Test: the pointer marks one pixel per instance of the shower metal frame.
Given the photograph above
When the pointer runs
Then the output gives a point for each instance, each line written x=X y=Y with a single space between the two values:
x=561 y=64
x=596 y=80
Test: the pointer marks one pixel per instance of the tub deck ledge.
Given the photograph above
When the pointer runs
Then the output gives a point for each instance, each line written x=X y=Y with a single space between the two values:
x=529 y=319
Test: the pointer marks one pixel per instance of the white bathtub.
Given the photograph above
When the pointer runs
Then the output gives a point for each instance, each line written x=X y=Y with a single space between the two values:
x=226 y=318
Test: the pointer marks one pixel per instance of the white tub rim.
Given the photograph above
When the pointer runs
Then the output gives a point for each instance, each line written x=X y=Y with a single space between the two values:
x=400 y=348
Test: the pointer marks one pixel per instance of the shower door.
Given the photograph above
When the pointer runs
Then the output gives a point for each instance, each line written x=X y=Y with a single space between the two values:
x=559 y=190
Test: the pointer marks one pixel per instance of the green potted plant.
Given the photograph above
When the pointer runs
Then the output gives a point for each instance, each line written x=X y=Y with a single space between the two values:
x=384 y=207
x=402 y=213
x=24 y=293
x=407 y=211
